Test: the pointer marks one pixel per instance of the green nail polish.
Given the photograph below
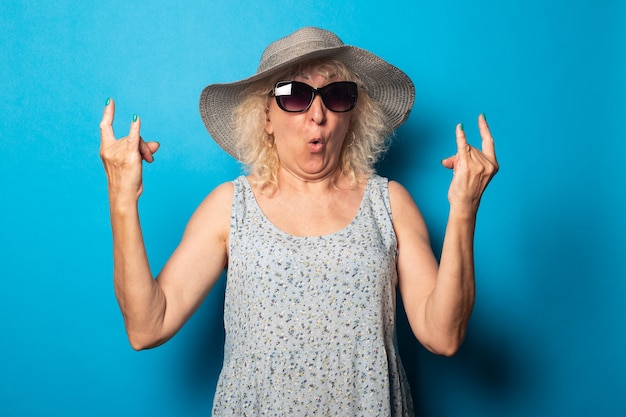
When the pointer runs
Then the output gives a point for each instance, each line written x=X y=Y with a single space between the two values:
x=461 y=126
x=108 y=101
x=484 y=117
x=134 y=118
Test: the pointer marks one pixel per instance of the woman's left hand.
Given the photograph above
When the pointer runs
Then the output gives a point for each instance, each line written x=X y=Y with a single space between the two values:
x=473 y=169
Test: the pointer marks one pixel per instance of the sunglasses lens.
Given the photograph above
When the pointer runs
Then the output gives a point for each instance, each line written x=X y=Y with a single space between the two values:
x=340 y=96
x=293 y=96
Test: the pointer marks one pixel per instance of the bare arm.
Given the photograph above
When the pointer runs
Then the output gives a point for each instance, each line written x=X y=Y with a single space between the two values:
x=439 y=298
x=154 y=310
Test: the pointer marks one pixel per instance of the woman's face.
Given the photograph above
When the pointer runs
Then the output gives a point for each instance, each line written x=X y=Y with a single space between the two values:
x=308 y=143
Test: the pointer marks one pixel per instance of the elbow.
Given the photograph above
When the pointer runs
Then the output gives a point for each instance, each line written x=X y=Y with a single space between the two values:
x=445 y=340
x=142 y=336
x=447 y=351
x=141 y=342
x=446 y=346
x=137 y=346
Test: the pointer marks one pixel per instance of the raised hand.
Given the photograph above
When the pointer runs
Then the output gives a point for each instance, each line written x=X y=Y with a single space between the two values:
x=122 y=158
x=473 y=169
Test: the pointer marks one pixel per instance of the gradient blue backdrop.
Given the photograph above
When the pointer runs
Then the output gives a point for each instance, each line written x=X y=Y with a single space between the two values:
x=548 y=334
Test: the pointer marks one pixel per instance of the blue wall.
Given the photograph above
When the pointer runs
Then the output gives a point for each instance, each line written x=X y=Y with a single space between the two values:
x=549 y=332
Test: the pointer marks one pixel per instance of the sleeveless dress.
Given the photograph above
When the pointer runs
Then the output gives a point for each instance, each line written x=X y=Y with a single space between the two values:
x=310 y=321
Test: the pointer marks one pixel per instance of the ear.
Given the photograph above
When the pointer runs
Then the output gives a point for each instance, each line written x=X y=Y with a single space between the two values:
x=269 y=129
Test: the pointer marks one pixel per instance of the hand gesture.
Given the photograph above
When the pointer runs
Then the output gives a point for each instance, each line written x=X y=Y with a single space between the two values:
x=473 y=169
x=122 y=158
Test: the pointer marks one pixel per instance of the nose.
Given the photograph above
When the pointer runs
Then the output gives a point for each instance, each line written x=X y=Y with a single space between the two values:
x=317 y=111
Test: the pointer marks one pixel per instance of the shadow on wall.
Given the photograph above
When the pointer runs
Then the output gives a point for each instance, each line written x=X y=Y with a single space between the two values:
x=408 y=154
x=484 y=365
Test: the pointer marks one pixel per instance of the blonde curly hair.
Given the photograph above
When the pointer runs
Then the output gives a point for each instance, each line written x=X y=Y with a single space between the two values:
x=366 y=141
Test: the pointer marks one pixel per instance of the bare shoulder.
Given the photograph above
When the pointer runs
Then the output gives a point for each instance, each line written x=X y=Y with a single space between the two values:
x=400 y=199
x=221 y=195
x=406 y=215
x=214 y=211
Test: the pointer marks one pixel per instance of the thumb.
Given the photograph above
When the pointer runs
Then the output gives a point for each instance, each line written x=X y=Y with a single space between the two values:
x=153 y=146
x=449 y=162
x=147 y=150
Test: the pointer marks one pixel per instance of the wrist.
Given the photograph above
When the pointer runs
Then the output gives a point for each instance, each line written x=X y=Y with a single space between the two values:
x=463 y=211
x=123 y=202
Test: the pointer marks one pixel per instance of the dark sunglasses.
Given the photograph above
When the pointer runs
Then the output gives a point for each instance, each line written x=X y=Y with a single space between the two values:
x=294 y=96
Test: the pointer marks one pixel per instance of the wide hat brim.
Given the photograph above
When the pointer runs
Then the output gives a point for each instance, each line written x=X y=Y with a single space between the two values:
x=387 y=85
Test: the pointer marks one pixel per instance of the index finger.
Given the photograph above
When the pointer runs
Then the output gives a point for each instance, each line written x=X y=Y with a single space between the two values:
x=461 y=139
x=106 y=124
x=488 y=146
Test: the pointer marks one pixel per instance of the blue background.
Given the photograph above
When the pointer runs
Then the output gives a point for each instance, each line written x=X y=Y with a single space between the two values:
x=548 y=334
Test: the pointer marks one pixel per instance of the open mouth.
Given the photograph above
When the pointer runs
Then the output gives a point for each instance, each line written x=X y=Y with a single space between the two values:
x=316 y=145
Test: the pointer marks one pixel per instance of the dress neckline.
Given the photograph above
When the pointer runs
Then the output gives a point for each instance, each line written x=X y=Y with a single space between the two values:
x=266 y=220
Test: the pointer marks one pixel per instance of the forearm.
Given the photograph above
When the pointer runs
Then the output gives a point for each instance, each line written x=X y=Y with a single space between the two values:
x=140 y=298
x=450 y=304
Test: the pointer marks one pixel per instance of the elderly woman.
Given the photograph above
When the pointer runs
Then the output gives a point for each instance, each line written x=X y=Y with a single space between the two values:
x=314 y=242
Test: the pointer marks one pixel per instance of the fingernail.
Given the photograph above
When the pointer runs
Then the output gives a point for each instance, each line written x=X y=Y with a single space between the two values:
x=108 y=101
x=134 y=118
x=484 y=117
x=461 y=126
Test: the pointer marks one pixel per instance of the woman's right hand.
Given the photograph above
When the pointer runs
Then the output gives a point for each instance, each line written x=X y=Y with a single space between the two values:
x=122 y=158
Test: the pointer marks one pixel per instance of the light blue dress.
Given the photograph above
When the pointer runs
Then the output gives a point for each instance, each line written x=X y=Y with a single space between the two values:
x=310 y=321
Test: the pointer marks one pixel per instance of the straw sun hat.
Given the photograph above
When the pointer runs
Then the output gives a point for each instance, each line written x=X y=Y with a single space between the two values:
x=391 y=88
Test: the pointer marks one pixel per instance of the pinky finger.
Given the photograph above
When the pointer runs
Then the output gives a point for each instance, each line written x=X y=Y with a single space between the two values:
x=461 y=139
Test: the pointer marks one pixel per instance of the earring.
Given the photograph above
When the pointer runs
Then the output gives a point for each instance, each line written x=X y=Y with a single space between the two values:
x=353 y=139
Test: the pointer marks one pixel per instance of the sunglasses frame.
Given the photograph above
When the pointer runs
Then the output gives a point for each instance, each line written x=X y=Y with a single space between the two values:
x=315 y=92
